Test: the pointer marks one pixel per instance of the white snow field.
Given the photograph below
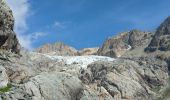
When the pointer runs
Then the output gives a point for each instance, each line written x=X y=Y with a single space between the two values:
x=81 y=60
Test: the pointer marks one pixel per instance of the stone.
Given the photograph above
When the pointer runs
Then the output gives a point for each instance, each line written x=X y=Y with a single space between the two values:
x=8 y=38
x=3 y=77
x=53 y=86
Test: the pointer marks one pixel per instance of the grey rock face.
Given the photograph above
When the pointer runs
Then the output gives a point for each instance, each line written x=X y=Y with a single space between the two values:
x=54 y=86
x=117 y=46
x=8 y=39
x=3 y=77
x=125 y=79
x=161 y=39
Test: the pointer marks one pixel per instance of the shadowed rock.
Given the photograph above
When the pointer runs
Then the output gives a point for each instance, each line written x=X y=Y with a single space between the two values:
x=8 y=39
x=161 y=39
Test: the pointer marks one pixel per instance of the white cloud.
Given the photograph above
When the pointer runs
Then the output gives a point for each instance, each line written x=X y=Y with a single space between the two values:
x=25 y=41
x=21 y=10
x=36 y=35
x=59 y=25
x=28 y=40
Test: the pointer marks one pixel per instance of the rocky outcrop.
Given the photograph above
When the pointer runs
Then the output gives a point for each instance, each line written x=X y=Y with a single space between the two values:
x=87 y=51
x=8 y=39
x=58 y=48
x=161 y=39
x=118 y=45
x=54 y=86
x=126 y=79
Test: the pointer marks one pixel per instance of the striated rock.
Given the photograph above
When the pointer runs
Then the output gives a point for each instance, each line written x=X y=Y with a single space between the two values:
x=3 y=77
x=161 y=39
x=93 y=92
x=125 y=79
x=54 y=86
x=58 y=48
x=118 y=45
x=87 y=51
x=8 y=39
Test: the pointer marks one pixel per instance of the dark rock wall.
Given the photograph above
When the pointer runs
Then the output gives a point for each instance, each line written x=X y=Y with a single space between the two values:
x=8 y=39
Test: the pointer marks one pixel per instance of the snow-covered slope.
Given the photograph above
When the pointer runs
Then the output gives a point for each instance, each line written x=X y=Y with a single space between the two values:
x=81 y=60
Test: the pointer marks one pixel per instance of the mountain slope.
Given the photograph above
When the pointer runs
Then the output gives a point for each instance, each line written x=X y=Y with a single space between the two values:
x=118 y=45
x=47 y=76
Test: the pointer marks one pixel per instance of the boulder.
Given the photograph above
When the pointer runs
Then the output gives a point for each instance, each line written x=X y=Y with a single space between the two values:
x=53 y=86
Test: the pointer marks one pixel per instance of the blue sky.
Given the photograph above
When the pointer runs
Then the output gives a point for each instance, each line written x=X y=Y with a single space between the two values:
x=83 y=23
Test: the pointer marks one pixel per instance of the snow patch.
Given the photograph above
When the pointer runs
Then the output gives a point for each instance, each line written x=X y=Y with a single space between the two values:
x=129 y=47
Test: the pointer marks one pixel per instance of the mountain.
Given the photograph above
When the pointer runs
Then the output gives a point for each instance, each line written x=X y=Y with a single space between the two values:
x=161 y=39
x=61 y=49
x=58 y=48
x=118 y=45
x=51 y=75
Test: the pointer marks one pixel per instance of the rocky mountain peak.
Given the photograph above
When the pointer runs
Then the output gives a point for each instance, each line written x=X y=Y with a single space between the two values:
x=8 y=39
x=118 y=45
x=58 y=48
x=164 y=28
x=161 y=39
x=61 y=49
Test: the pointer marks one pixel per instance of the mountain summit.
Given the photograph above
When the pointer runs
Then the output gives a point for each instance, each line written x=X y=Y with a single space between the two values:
x=161 y=39
x=57 y=48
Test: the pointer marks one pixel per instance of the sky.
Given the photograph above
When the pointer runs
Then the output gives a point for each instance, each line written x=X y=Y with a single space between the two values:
x=83 y=23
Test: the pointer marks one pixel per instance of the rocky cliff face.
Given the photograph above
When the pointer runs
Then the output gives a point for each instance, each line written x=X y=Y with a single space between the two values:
x=58 y=48
x=8 y=39
x=118 y=45
x=161 y=39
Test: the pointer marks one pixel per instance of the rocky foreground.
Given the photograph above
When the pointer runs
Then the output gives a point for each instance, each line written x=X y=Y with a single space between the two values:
x=137 y=67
